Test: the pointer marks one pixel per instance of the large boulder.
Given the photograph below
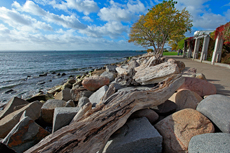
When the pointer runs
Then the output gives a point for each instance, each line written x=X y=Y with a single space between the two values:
x=24 y=135
x=210 y=143
x=155 y=74
x=11 y=105
x=48 y=109
x=63 y=116
x=216 y=108
x=33 y=110
x=95 y=82
x=178 y=128
x=135 y=136
x=187 y=99
x=96 y=96
x=64 y=95
x=110 y=75
x=150 y=114
x=201 y=87
x=168 y=107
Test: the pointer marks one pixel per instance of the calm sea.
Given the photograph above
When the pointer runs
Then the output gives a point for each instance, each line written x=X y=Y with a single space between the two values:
x=19 y=71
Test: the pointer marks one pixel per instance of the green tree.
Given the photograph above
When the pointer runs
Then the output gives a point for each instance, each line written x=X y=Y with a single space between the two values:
x=161 y=24
x=181 y=43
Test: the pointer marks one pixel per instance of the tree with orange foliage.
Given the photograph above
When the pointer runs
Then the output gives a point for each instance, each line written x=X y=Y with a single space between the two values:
x=161 y=24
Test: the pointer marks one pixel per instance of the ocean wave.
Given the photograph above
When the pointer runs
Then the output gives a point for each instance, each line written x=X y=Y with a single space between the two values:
x=10 y=86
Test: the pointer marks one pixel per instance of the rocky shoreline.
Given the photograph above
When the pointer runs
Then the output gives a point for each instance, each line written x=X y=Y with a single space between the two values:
x=144 y=104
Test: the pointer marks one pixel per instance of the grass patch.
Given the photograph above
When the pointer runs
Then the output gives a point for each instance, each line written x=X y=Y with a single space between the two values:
x=169 y=53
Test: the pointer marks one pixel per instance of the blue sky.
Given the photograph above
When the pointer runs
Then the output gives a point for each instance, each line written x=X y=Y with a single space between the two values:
x=90 y=24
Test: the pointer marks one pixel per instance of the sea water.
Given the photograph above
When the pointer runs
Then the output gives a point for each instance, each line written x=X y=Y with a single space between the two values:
x=19 y=71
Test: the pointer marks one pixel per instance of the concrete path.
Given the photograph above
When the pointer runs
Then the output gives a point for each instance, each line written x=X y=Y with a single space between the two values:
x=219 y=76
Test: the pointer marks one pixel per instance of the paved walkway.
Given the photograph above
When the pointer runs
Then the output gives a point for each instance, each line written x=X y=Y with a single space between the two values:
x=219 y=76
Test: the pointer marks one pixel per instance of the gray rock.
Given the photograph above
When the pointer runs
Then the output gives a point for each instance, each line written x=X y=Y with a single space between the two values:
x=70 y=103
x=86 y=93
x=13 y=103
x=24 y=135
x=33 y=110
x=216 y=108
x=63 y=116
x=64 y=95
x=111 y=68
x=136 y=136
x=210 y=143
x=82 y=101
x=48 y=109
x=96 y=96
x=110 y=75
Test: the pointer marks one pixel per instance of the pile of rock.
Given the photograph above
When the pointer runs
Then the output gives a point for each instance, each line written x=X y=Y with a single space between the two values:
x=184 y=122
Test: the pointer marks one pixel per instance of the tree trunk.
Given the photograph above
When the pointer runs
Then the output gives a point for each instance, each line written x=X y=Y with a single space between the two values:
x=91 y=133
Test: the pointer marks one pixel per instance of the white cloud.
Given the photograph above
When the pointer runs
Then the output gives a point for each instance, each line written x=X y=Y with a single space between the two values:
x=87 y=18
x=21 y=21
x=42 y=2
x=65 y=21
x=112 y=29
x=60 y=40
x=202 y=17
x=85 y=6
x=117 y=12
x=227 y=14
x=30 y=7
x=4 y=30
x=209 y=21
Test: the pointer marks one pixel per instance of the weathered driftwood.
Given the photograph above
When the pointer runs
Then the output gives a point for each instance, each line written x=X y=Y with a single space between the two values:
x=92 y=132
x=155 y=74
x=127 y=78
x=87 y=107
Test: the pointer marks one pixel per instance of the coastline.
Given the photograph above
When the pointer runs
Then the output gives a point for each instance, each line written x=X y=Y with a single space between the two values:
x=155 y=97
x=35 y=81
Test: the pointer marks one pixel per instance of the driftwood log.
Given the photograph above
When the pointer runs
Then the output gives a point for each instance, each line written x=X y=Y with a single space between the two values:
x=91 y=133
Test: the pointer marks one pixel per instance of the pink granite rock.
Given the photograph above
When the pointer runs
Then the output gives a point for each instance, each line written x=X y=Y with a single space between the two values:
x=187 y=99
x=201 y=87
x=95 y=82
x=178 y=128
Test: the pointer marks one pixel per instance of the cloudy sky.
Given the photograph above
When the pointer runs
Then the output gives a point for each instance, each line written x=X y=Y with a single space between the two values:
x=90 y=24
